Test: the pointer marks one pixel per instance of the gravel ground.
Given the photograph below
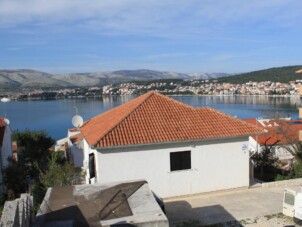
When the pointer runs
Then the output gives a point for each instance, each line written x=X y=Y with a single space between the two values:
x=274 y=220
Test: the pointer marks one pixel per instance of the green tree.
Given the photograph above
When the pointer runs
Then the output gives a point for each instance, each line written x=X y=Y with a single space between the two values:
x=37 y=167
x=58 y=173
x=33 y=146
x=15 y=179
x=265 y=164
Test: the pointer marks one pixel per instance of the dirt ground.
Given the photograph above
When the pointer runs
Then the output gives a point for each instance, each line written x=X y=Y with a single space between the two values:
x=241 y=207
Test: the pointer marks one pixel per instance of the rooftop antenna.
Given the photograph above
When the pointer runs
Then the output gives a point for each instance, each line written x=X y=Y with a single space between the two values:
x=76 y=109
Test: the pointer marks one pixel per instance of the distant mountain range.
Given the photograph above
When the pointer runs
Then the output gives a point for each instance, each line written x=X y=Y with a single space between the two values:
x=27 y=78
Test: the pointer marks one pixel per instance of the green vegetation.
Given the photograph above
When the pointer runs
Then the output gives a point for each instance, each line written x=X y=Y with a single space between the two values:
x=270 y=216
x=59 y=172
x=37 y=167
x=280 y=74
x=265 y=165
x=33 y=154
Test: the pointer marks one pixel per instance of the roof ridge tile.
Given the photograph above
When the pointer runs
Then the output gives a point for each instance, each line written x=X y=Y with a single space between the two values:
x=147 y=96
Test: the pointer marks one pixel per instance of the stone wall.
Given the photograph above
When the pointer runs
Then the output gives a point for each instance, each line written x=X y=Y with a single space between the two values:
x=291 y=182
x=18 y=212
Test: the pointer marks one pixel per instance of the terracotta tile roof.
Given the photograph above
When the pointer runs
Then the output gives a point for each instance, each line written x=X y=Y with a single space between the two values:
x=279 y=131
x=251 y=121
x=73 y=129
x=155 y=118
x=76 y=138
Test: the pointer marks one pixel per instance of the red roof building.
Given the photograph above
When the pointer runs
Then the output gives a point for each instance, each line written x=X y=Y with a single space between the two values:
x=155 y=118
x=282 y=136
x=279 y=131
x=177 y=148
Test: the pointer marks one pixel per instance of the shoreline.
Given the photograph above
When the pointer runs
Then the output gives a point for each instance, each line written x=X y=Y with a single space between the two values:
x=172 y=95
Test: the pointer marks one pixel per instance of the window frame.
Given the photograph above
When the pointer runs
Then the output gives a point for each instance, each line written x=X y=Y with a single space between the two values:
x=180 y=161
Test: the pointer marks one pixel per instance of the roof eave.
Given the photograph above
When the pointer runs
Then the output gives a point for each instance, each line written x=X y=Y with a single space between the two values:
x=172 y=142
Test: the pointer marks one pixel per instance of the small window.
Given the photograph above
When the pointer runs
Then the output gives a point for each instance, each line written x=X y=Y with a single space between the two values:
x=91 y=166
x=180 y=160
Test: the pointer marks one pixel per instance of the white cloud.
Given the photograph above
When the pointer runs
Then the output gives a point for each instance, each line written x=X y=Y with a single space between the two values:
x=156 y=17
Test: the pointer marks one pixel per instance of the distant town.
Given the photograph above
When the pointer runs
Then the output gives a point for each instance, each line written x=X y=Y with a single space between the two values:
x=206 y=87
x=165 y=86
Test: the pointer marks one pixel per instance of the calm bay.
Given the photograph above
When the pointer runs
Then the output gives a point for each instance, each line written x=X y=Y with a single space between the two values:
x=54 y=116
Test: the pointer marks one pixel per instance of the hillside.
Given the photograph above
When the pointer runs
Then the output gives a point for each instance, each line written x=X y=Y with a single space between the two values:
x=280 y=74
x=27 y=78
x=12 y=79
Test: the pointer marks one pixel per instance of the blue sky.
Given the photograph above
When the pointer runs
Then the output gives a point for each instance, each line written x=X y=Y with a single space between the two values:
x=64 y=36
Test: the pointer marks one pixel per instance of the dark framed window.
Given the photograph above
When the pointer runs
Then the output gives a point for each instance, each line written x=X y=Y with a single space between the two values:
x=180 y=160
x=91 y=166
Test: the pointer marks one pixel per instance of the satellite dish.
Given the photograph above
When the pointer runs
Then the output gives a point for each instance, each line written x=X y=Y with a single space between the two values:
x=77 y=121
x=6 y=122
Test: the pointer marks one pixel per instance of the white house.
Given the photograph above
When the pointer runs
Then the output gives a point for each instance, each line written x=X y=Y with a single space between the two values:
x=282 y=137
x=5 y=148
x=177 y=148
x=75 y=144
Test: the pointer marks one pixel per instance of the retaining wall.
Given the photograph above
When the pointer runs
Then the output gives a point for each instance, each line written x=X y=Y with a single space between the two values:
x=18 y=213
x=292 y=182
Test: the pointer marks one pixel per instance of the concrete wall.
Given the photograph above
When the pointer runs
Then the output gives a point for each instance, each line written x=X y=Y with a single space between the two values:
x=18 y=212
x=6 y=152
x=6 y=149
x=215 y=165
x=292 y=182
x=77 y=155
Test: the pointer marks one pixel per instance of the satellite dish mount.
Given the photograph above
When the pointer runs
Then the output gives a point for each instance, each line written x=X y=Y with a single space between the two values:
x=77 y=121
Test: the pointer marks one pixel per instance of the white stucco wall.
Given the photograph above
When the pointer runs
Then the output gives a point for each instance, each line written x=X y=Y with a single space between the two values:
x=215 y=165
x=76 y=153
x=6 y=149
x=87 y=151
x=6 y=152
x=253 y=145
x=282 y=153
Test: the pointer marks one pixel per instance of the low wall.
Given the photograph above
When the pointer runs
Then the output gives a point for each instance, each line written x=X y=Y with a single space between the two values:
x=18 y=212
x=292 y=182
